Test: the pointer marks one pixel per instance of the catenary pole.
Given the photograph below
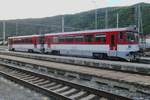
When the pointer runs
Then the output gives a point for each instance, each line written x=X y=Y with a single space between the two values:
x=4 y=31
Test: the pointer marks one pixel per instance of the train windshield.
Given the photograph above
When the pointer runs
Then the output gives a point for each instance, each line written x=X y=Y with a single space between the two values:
x=132 y=37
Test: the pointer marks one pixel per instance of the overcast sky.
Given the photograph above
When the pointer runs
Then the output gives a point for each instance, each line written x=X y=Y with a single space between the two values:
x=14 y=9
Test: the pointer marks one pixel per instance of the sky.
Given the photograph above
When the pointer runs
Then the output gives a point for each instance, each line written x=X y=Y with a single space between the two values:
x=19 y=9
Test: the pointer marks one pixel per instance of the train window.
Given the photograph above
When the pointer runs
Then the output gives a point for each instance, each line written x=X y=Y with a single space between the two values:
x=88 y=38
x=55 y=39
x=61 y=39
x=100 y=38
x=9 y=41
x=21 y=41
x=49 y=40
x=131 y=37
x=15 y=41
x=41 y=39
x=27 y=40
x=69 y=39
x=79 y=39
x=121 y=35
x=30 y=40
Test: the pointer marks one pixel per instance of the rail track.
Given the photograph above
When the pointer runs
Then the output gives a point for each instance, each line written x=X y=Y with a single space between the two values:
x=114 y=82
x=55 y=87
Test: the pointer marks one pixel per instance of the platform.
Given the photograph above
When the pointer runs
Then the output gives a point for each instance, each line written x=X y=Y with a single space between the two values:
x=102 y=64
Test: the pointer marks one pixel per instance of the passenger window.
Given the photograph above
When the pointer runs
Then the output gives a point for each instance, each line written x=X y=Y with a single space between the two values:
x=121 y=35
x=55 y=39
x=41 y=39
x=49 y=40
x=131 y=37
x=88 y=38
x=69 y=39
x=79 y=39
x=27 y=40
x=61 y=39
x=9 y=41
x=100 y=38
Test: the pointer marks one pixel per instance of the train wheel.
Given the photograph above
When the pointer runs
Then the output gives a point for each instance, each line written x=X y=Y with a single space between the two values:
x=105 y=56
x=99 y=55
x=131 y=58
x=13 y=49
x=55 y=52
x=30 y=50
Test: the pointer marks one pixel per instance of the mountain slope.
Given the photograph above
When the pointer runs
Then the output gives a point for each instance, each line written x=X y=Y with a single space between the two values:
x=80 y=21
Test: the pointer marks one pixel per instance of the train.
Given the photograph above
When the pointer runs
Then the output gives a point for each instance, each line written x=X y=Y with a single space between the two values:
x=122 y=43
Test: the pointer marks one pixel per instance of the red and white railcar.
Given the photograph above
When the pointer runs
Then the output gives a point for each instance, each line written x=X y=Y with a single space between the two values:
x=101 y=43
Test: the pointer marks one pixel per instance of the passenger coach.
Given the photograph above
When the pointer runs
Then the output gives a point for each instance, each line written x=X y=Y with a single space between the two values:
x=102 y=43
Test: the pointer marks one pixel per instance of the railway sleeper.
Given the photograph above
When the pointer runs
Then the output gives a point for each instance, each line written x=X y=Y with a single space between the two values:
x=71 y=91
x=27 y=78
x=20 y=75
x=49 y=84
x=33 y=79
x=77 y=95
x=89 y=97
x=62 y=89
x=55 y=87
x=43 y=83
x=38 y=81
x=23 y=76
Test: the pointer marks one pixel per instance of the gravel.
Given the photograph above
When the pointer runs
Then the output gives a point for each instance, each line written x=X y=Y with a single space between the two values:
x=12 y=91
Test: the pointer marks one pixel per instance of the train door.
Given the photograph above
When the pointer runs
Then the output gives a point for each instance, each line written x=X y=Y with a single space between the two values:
x=49 y=41
x=41 y=43
x=34 y=42
x=113 y=44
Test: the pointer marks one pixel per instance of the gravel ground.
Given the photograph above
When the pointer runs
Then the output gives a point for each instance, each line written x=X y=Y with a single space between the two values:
x=13 y=91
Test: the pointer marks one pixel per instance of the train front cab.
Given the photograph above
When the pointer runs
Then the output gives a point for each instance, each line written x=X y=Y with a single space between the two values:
x=125 y=45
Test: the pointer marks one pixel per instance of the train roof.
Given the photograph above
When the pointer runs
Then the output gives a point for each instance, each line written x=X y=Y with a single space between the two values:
x=85 y=31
